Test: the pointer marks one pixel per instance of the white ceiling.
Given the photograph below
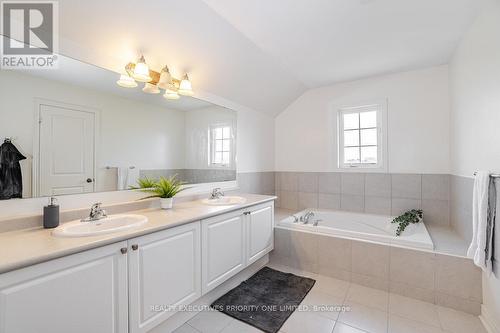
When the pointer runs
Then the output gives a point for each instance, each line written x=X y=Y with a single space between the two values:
x=327 y=41
x=264 y=54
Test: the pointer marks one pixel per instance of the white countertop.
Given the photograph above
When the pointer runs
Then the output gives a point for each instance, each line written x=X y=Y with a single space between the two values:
x=35 y=245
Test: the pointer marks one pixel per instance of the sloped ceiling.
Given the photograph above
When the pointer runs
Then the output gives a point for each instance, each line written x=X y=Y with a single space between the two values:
x=263 y=54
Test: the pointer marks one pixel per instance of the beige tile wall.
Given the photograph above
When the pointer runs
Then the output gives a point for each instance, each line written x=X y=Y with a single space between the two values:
x=375 y=193
x=441 y=279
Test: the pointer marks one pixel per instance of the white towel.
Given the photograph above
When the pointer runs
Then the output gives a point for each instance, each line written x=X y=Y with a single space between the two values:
x=480 y=220
x=133 y=175
x=122 y=179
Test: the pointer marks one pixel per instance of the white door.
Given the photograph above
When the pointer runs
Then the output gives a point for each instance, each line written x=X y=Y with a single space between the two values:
x=66 y=150
x=260 y=222
x=81 y=293
x=164 y=271
x=223 y=248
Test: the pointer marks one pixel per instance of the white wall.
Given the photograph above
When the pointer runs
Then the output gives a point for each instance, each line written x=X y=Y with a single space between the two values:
x=475 y=116
x=418 y=123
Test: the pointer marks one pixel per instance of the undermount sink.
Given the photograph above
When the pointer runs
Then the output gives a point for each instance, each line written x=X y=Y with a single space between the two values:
x=110 y=224
x=225 y=201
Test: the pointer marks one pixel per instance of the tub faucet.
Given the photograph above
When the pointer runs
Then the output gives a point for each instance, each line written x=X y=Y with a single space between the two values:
x=216 y=193
x=96 y=213
x=306 y=217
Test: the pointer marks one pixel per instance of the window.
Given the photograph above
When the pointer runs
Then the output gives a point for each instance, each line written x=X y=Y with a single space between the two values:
x=360 y=136
x=221 y=144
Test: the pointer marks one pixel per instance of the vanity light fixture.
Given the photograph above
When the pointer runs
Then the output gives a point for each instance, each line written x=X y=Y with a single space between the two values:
x=126 y=81
x=185 y=87
x=150 y=89
x=141 y=71
x=155 y=81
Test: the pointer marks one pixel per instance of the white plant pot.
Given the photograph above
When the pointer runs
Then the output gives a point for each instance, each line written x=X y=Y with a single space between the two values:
x=166 y=203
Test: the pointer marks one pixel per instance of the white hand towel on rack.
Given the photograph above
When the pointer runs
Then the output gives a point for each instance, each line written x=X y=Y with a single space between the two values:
x=133 y=174
x=122 y=178
x=480 y=200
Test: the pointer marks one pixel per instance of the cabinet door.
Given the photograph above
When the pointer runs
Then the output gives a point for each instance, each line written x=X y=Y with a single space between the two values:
x=81 y=293
x=260 y=222
x=164 y=274
x=223 y=248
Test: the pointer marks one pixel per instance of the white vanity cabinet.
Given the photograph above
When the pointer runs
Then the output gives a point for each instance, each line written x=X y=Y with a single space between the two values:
x=232 y=241
x=164 y=271
x=81 y=293
x=223 y=248
x=260 y=231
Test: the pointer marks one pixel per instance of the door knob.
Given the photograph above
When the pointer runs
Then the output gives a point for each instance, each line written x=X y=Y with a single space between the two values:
x=89 y=180
x=135 y=247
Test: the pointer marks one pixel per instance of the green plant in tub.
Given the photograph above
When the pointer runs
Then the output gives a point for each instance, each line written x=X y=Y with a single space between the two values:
x=410 y=217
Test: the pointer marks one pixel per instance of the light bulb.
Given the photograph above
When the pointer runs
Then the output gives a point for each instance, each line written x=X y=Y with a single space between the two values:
x=126 y=81
x=185 y=87
x=141 y=71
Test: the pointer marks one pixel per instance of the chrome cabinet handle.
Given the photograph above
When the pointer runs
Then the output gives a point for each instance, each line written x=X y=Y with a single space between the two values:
x=135 y=247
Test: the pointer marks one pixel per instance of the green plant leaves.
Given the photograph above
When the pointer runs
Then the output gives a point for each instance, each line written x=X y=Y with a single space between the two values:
x=412 y=216
x=163 y=188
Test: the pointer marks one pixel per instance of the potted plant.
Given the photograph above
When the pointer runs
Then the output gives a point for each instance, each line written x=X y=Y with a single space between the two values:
x=164 y=188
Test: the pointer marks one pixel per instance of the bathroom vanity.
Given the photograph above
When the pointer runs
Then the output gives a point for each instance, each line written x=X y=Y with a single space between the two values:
x=134 y=280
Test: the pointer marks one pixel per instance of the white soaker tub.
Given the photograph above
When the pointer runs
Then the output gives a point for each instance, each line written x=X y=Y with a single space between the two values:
x=377 y=228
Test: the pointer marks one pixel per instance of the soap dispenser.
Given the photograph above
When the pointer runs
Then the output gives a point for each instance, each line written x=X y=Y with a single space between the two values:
x=51 y=214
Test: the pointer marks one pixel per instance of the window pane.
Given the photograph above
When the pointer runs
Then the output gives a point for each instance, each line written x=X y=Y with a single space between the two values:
x=225 y=158
x=368 y=119
x=218 y=145
x=351 y=155
x=227 y=145
x=218 y=133
x=351 y=120
x=369 y=137
x=218 y=158
x=351 y=138
x=226 y=133
x=369 y=155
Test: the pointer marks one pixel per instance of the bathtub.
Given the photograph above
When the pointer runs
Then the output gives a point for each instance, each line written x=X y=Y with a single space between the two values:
x=377 y=228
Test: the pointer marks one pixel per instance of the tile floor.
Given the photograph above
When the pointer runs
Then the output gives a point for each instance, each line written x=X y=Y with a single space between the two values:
x=372 y=311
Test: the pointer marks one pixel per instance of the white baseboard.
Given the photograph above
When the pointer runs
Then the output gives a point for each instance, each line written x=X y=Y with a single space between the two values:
x=178 y=319
x=489 y=321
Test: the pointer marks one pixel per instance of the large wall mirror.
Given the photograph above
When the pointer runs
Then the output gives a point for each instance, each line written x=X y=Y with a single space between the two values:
x=74 y=130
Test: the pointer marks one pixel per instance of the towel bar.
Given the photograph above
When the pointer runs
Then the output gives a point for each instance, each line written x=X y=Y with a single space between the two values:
x=493 y=175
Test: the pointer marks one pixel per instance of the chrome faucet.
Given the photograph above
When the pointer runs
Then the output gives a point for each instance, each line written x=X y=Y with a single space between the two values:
x=96 y=213
x=216 y=193
x=305 y=218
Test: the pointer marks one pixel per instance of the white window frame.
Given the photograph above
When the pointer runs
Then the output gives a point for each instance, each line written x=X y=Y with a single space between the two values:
x=211 y=146
x=381 y=108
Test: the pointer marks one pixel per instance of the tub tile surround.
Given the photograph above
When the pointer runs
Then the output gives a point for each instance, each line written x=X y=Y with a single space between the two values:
x=440 y=279
x=375 y=193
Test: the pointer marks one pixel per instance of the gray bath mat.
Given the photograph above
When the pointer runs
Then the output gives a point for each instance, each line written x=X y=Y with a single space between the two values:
x=265 y=300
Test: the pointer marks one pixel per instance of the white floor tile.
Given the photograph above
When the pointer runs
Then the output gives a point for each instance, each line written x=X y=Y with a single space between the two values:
x=343 y=328
x=365 y=318
x=368 y=296
x=414 y=309
x=323 y=304
x=237 y=326
x=332 y=286
x=186 y=329
x=459 y=322
x=307 y=322
x=210 y=321
x=403 y=325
